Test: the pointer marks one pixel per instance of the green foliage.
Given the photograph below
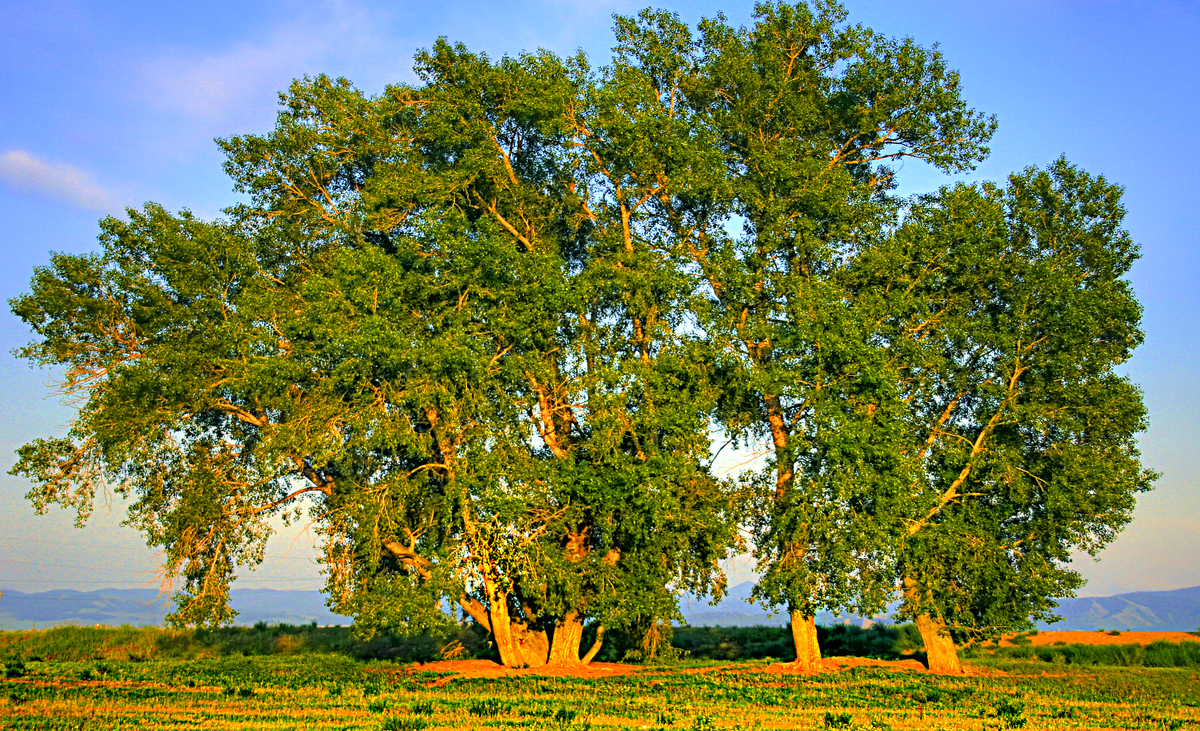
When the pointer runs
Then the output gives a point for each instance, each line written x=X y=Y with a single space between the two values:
x=238 y=692
x=483 y=329
x=13 y=668
x=404 y=723
x=1023 y=432
x=733 y=643
x=83 y=644
x=287 y=695
x=421 y=708
x=1160 y=654
x=1011 y=712
x=887 y=642
x=444 y=326
x=702 y=723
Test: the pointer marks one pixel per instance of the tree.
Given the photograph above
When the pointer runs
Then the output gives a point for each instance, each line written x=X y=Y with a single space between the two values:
x=482 y=327
x=1022 y=433
x=803 y=114
x=438 y=328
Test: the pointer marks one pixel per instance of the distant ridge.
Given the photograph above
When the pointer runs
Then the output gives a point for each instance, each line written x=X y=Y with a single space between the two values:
x=143 y=607
x=1177 y=610
x=1167 y=611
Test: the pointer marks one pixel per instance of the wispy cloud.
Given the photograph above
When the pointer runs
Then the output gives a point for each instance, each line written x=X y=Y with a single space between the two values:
x=237 y=85
x=23 y=171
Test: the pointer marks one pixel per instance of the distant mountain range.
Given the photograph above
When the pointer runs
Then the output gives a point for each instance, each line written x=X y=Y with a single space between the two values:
x=1166 y=611
x=143 y=607
x=1177 y=610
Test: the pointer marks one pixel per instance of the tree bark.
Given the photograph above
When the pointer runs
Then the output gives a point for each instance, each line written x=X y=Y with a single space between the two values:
x=595 y=646
x=533 y=646
x=502 y=633
x=564 y=646
x=940 y=653
x=804 y=636
x=519 y=647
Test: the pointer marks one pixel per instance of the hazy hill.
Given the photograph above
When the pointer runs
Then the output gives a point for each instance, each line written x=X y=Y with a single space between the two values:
x=140 y=607
x=735 y=610
x=1177 y=610
x=1168 y=611
x=1171 y=611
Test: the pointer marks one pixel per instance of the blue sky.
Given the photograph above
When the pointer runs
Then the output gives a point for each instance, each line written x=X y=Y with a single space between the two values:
x=108 y=104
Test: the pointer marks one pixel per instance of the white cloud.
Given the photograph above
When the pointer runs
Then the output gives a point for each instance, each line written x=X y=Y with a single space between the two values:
x=22 y=171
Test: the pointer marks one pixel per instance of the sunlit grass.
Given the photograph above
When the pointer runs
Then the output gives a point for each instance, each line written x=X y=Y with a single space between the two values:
x=322 y=691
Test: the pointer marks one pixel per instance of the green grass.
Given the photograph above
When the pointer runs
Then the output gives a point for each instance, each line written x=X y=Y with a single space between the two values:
x=97 y=680
x=334 y=691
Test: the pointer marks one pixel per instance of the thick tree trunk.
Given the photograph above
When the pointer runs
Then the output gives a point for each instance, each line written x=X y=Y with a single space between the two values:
x=804 y=636
x=533 y=646
x=519 y=647
x=939 y=646
x=940 y=653
x=564 y=646
x=502 y=629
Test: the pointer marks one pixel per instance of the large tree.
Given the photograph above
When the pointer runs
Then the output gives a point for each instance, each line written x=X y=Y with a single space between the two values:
x=438 y=326
x=1012 y=316
x=800 y=115
x=480 y=328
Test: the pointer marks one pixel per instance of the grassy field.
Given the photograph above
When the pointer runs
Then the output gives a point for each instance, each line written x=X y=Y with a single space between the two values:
x=128 y=679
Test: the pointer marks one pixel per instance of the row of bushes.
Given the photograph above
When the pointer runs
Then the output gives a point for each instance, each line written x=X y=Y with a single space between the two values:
x=1161 y=654
x=883 y=641
x=69 y=643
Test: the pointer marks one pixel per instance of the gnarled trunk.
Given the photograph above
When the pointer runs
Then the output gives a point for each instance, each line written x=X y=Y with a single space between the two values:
x=940 y=653
x=519 y=646
x=804 y=636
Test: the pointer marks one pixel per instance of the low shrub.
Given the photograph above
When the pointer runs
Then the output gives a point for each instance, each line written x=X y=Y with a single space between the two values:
x=1161 y=654
x=89 y=644
x=746 y=643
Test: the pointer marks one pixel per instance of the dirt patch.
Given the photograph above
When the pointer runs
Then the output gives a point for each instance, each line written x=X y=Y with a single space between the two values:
x=1104 y=638
x=838 y=664
x=465 y=669
x=487 y=669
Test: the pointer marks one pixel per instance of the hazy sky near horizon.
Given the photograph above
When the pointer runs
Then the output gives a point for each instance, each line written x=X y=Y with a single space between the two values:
x=111 y=104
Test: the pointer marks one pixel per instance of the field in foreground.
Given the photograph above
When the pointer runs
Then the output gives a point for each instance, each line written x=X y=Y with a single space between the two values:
x=326 y=691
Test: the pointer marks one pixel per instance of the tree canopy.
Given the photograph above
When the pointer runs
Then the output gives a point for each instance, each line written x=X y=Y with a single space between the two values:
x=483 y=330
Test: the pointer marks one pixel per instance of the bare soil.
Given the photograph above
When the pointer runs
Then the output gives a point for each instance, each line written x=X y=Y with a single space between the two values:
x=1104 y=638
x=488 y=669
x=838 y=664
